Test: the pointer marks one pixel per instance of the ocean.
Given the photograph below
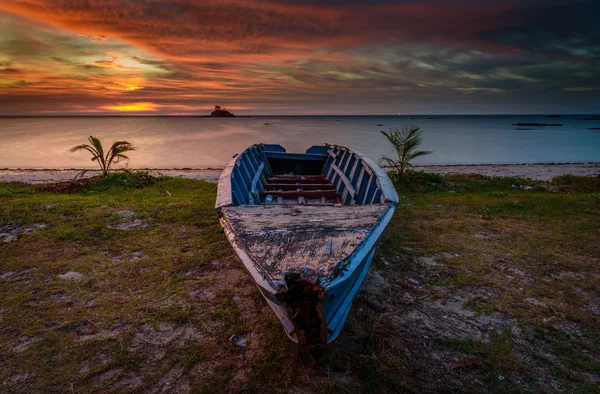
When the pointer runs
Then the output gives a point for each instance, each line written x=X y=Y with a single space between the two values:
x=194 y=142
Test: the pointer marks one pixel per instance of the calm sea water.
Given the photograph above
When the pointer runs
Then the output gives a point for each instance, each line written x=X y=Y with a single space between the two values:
x=177 y=142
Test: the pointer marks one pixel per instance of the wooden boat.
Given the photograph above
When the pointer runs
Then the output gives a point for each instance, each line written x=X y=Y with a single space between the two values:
x=305 y=226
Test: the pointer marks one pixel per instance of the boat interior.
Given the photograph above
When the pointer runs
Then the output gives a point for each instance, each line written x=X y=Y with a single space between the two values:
x=324 y=175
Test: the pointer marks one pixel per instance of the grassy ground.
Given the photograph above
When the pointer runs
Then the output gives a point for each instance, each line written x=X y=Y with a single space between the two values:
x=480 y=284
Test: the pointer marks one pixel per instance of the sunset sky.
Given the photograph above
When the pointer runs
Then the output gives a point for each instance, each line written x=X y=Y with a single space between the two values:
x=299 y=57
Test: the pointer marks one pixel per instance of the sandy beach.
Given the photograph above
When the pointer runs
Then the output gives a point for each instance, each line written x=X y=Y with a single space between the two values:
x=33 y=176
x=540 y=171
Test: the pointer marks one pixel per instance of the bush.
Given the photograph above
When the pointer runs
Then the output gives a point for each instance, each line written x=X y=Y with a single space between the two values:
x=127 y=179
x=420 y=180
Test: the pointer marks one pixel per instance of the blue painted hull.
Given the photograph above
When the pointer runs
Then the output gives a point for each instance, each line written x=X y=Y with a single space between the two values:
x=340 y=293
x=357 y=181
x=337 y=299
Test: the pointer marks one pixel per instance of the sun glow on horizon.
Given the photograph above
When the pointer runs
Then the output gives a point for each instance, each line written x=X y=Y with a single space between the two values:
x=133 y=107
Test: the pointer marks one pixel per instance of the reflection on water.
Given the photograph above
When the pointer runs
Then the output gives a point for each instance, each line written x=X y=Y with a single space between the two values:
x=179 y=142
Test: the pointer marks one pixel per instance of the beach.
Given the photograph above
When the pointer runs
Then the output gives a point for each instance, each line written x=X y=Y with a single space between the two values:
x=35 y=176
x=538 y=171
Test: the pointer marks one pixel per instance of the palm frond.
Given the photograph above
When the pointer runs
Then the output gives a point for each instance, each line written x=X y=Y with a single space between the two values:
x=390 y=162
x=123 y=146
x=87 y=148
x=97 y=144
x=113 y=155
x=117 y=158
x=405 y=142
x=80 y=147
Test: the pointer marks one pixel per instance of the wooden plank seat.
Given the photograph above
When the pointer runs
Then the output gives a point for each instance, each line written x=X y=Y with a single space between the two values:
x=304 y=188
x=318 y=176
x=300 y=193
x=302 y=181
x=296 y=186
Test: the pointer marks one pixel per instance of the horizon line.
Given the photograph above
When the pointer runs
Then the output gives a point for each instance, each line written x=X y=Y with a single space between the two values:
x=287 y=115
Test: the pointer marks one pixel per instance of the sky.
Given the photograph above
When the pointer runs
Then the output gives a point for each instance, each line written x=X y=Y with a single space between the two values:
x=183 y=57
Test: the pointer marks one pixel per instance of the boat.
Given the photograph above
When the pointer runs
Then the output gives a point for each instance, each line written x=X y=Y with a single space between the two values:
x=305 y=226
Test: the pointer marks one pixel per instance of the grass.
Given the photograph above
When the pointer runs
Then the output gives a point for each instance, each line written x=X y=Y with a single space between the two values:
x=496 y=354
x=158 y=303
x=532 y=246
x=229 y=313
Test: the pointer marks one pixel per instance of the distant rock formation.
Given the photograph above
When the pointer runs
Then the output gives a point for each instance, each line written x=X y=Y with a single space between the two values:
x=221 y=112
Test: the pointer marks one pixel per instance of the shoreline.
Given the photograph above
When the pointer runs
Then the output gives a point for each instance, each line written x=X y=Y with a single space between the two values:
x=539 y=171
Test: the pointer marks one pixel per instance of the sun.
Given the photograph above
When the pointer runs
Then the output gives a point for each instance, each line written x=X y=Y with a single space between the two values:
x=133 y=107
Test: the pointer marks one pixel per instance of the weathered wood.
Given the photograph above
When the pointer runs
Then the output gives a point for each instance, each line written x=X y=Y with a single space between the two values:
x=301 y=193
x=351 y=176
x=345 y=179
x=225 y=192
x=300 y=181
x=244 y=171
x=388 y=190
x=367 y=187
x=295 y=186
x=336 y=162
x=296 y=177
x=253 y=190
x=359 y=181
x=375 y=195
x=284 y=238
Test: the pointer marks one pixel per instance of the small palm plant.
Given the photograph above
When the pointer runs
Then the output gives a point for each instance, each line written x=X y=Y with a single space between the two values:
x=114 y=154
x=405 y=143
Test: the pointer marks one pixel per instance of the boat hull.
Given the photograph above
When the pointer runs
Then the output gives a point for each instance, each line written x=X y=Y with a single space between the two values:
x=307 y=240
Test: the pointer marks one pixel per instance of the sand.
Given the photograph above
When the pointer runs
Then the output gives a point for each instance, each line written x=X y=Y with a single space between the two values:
x=56 y=175
x=541 y=171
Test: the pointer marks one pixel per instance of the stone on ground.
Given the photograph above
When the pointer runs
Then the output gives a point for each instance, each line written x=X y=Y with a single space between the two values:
x=71 y=275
